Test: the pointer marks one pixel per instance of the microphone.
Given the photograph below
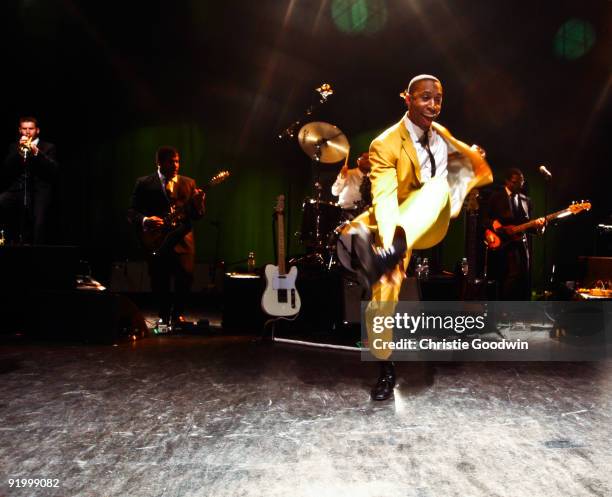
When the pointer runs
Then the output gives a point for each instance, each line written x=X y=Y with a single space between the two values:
x=545 y=172
x=325 y=90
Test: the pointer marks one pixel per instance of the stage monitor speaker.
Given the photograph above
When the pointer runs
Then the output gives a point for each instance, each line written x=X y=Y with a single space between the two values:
x=85 y=316
x=592 y=269
x=439 y=288
x=29 y=268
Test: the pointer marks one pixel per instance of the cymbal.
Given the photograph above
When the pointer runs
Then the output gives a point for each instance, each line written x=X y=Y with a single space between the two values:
x=323 y=142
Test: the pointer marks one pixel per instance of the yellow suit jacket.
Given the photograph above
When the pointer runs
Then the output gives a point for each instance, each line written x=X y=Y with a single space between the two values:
x=396 y=174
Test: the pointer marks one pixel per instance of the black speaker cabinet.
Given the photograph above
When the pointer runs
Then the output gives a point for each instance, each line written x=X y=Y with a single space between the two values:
x=592 y=269
x=88 y=316
x=242 y=303
x=25 y=271
x=130 y=276
x=38 y=267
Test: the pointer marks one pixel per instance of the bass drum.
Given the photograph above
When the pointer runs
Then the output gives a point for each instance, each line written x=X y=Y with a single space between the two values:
x=329 y=218
x=341 y=242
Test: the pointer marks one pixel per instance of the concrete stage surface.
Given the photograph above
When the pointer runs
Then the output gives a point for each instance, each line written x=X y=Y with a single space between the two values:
x=224 y=416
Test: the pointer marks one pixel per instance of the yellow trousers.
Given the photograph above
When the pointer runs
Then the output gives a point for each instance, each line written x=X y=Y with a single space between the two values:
x=424 y=216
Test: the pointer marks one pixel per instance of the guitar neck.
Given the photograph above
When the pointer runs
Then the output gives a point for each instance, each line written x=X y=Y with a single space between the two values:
x=280 y=243
x=531 y=224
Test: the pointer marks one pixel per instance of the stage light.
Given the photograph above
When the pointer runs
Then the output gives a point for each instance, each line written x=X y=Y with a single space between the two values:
x=359 y=16
x=574 y=39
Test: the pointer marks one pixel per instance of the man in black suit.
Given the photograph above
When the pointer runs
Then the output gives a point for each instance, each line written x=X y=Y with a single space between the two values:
x=158 y=200
x=510 y=265
x=27 y=181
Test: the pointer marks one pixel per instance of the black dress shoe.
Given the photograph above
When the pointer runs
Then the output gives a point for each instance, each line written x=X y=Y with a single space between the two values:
x=384 y=386
x=375 y=261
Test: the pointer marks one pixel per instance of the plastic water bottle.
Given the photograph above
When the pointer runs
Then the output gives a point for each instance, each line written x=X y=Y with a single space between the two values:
x=162 y=328
x=251 y=262
x=418 y=269
x=425 y=268
x=464 y=266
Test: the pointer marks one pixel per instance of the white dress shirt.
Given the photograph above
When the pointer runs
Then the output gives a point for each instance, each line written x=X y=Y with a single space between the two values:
x=347 y=189
x=438 y=148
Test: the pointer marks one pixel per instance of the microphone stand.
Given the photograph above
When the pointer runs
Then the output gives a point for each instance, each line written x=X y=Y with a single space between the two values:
x=324 y=92
x=545 y=241
x=25 y=214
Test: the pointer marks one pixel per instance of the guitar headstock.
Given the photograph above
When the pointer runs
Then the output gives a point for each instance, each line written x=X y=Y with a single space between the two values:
x=577 y=207
x=280 y=204
x=220 y=177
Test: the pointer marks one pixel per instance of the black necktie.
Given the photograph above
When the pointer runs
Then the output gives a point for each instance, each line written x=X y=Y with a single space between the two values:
x=425 y=143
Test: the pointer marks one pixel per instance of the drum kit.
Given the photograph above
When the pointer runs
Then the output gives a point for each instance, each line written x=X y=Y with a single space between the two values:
x=322 y=231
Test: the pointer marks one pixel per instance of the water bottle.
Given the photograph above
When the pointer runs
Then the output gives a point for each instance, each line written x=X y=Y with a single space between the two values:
x=251 y=262
x=464 y=266
x=425 y=268
x=162 y=328
x=418 y=269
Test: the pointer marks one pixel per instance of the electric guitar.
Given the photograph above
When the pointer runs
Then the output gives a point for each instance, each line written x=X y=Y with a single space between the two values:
x=505 y=234
x=280 y=298
x=162 y=240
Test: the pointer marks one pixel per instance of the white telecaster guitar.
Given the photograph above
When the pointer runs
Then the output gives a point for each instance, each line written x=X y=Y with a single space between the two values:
x=280 y=298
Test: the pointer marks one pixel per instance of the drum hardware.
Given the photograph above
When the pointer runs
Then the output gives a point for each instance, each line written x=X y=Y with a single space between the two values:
x=324 y=91
x=324 y=143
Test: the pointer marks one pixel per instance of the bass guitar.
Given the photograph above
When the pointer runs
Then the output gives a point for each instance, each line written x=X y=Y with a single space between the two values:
x=280 y=298
x=162 y=240
x=506 y=234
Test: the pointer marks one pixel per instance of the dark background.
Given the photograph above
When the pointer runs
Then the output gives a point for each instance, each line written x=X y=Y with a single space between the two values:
x=111 y=81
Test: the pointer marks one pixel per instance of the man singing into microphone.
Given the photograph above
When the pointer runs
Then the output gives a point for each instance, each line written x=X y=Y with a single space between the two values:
x=510 y=265
x=27 y=180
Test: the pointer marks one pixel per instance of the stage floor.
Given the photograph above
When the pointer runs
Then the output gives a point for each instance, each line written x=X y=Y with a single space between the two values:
x=225 y=416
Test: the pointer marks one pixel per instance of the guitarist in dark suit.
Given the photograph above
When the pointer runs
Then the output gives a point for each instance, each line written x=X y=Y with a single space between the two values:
x=27 y=183
x=510 y=265
x=164 y=204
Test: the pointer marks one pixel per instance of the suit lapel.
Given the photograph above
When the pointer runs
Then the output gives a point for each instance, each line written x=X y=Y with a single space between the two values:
x=409 y=149
x=157 y=188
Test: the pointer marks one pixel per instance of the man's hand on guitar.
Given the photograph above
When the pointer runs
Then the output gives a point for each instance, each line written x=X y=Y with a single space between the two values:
x=198 y=195
x=152 y=223
x=198 y=199
x=540 y=225
x=496 y=225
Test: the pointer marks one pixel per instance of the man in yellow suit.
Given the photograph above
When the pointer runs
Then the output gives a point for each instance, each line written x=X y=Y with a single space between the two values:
x=420 y=177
